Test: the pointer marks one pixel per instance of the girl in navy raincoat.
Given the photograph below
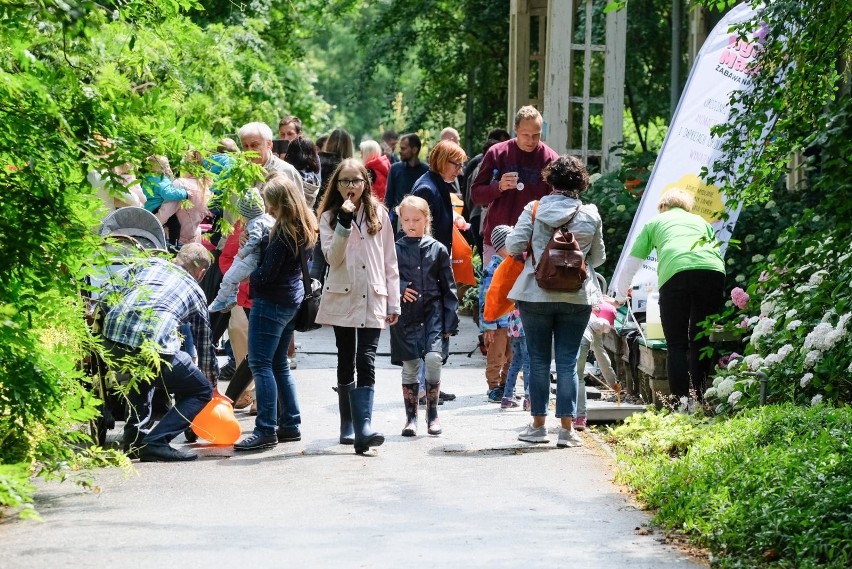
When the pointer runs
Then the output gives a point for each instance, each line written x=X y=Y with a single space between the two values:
x=428 y=318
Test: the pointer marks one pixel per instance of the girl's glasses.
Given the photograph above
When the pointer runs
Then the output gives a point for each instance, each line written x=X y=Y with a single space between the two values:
x=347 y=183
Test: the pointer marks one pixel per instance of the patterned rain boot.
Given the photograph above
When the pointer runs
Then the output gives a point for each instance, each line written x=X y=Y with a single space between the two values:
x=409 y=397
x=433 y=392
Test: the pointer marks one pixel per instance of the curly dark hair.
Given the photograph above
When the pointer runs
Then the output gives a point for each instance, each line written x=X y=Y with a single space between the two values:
x=567 y=175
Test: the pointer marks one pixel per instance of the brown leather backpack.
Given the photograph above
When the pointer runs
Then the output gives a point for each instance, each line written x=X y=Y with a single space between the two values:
x=562 y=266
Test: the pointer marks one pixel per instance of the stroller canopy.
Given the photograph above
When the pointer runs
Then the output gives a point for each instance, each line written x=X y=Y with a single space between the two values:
x=135 y=222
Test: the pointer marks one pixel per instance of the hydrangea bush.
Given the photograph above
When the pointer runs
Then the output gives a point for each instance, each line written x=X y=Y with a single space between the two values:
x=794 y=318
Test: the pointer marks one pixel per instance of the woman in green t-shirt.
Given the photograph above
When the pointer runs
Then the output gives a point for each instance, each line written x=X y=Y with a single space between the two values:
x=691 y=279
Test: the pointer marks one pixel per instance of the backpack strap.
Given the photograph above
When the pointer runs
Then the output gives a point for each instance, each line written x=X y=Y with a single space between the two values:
x=562 y=228
x=529 y=243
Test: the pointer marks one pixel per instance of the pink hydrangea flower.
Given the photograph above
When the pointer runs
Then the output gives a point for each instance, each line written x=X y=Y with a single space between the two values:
x=764 y=276
x=739 y=297
x=743 y=324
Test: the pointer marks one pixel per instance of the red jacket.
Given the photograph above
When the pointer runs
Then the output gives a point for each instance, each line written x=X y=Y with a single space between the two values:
x=226 y=259
x=379 y=165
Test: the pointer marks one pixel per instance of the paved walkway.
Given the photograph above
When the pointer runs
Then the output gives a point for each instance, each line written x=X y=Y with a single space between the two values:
x=473 y=497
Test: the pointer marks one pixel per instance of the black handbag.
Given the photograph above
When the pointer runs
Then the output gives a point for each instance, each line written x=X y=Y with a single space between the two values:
x=306 y=317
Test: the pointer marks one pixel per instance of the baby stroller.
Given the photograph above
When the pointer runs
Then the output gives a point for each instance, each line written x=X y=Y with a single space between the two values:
x=126 y=232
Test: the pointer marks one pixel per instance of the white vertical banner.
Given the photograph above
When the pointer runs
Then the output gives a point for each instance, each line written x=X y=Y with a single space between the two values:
x=723 y=65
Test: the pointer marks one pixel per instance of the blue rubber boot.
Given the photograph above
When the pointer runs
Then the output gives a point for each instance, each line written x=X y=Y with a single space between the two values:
x=347 y=431
x=361 y=400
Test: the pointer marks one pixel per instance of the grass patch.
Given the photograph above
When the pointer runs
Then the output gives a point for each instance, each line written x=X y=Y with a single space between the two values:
x=771 y=487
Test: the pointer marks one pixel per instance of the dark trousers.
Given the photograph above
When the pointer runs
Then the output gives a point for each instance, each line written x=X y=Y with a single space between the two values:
x=686 y=299
x=179 y=377
x=356 y=350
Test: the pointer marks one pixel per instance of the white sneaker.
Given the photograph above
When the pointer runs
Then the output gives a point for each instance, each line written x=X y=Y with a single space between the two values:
x=532 y=434
x=569 y=438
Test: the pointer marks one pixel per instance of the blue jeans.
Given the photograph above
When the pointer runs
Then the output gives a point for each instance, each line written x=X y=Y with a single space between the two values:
x=520 y=360
x=269 y=332
x=546 y=324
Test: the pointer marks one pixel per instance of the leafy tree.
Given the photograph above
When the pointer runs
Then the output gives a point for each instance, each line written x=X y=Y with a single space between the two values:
x=75 y=74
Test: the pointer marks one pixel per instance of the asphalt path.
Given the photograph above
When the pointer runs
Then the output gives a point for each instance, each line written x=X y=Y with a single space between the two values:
x=472 y=497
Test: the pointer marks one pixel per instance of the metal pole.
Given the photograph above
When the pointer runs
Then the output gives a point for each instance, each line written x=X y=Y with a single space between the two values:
x=674 y=88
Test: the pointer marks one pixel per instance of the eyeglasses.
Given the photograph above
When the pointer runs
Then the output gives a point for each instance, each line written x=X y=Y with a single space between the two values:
x=458 y=165
x=347 y=183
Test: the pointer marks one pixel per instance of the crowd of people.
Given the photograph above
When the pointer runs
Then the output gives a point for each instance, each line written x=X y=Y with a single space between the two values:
x=377 y=232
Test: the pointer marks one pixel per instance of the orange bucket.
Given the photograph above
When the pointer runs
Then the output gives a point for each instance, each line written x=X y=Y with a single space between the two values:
x=216 y=423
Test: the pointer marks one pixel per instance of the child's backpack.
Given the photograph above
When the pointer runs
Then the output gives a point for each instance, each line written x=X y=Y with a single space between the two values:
x=562 y=266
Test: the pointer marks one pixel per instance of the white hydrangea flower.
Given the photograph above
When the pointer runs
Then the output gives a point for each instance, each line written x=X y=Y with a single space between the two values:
x=734 y=398
x=753 y=320
x=804 y=268
x=733 y=364
x=770 y=204
x=740 y=278
x=824 y=336
x=749 y=238
x=771 y=257
x=811 y=358
x=809 y=250
x=817 y=218
x=711 y=393
x=803 y=289
x=806 y=379
x=816 y=399
x=790 y=313
x=767 y=307
x=772 y=359
x=758 y=258
x=817 y=278
x=726 y=387
x=785 y=350
x=764 y=326
x=781 y=239
x=843 y=258
x=620 y=207
x=753 y=362
x=731 y=262
x=793 y=325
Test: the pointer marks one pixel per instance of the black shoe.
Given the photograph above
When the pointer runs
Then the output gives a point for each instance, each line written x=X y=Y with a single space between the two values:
x=227 y=372
x=164 y=453
x=289 y=434
x=446 y=396
x=190 y=435
x=257 y=442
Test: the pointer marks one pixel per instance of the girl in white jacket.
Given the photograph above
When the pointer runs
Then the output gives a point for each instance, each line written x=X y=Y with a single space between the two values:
x=361 y=292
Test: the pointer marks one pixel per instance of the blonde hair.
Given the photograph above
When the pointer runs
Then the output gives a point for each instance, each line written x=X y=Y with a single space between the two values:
x=332 y=199
x=160 y=165
x=445 y=152
x=419 y=204
x=293 y=216
x=369 y=148
x=527 y=113
x=194 y=256
x=676 y=197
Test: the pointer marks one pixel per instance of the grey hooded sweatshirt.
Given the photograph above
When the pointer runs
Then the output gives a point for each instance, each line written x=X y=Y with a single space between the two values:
x=554 y=211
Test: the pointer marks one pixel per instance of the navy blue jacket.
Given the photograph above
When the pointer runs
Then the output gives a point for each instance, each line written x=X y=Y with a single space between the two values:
x=424 y=266
x=432 y=188
x=278 y=277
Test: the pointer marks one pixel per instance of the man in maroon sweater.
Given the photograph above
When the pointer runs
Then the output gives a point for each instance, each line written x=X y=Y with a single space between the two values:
x=510 y=176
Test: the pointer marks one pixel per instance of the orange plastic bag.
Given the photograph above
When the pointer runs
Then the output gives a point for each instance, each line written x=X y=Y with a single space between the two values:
x=461 y=259
x=497 y=303
x=216 y=422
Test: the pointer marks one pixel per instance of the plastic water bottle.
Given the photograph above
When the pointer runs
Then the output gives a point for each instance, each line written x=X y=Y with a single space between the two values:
x=653 y=324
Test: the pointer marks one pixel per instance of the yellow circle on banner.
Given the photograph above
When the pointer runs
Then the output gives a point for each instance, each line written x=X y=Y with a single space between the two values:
x=708 y=198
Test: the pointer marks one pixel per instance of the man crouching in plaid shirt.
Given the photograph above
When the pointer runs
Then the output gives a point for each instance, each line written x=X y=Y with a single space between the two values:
x=148 y=302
